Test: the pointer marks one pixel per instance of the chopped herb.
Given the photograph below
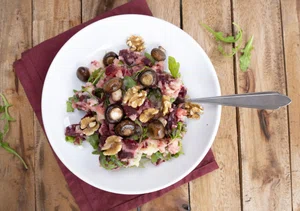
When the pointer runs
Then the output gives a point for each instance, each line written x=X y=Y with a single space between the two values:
x=110 y=162
x=99 y=93
x=106 y=101
x=96 y=152
x=177 y=132
x=144 y=131
x=96 y=76
x=93 y=140
x=7 y=118
x=120 y=62
x=174 y=67
x=70 y=139
x=246 y=57
x=148 y=56
x=128 y=82
x=172 y=100
x=156 y=156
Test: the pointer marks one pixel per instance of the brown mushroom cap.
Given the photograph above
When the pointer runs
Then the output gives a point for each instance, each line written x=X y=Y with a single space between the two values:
x=156 y=130
x=109 y=58
x=125 y=128
x=147 y=78
x=158 y=54
x=114 y=113
x=112 y=85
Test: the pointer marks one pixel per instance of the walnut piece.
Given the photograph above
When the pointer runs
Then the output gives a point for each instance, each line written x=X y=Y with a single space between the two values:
x=135 y=97
x=135 y=43
x=89 y=125
x=166 y=100
x=112 y=145
x=148 y=114
x=193 y=110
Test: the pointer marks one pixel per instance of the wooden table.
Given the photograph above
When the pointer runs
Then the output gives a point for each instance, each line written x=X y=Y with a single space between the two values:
x=258 y=151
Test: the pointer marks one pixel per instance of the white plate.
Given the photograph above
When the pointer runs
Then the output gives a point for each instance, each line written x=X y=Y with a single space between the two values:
x=91 y=43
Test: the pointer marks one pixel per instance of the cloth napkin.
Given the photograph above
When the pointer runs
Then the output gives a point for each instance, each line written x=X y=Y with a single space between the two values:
x=31 y=70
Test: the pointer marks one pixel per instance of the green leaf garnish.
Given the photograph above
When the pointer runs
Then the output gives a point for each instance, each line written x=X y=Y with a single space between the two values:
x=70 y=139
x=156 y=156
x=7 y=118
x=174 y=67
x=220 y=37
x=109 y=162
x=93 y=140
x=128 y=82
x=144 y=131
x=246 y=57
x=96 y=76
x=177 y=132
x=69 y=106
x=148 y=56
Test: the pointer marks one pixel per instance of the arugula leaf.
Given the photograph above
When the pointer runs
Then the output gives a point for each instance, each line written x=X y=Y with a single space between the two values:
x=99 y=93
x=148 y=56
x=2 y=109
x=128 y=82
x=109 y=162
x=229 y=39
x=246 y=57
x=156 y=156
x=93 y=140
x=144 y=131
x=96 y=76
x=6 y=146
x=7 y=118
x=96 y=152
x=6 y=115
x=177 y=132
x=220 y=37
x=70 y=139
x=174 y=67
x=69 y=106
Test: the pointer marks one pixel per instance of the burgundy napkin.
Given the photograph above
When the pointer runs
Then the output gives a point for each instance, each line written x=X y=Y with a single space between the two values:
x=31 y=70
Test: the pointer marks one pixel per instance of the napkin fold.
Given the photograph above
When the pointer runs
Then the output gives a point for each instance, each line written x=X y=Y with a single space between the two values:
x=31 y=70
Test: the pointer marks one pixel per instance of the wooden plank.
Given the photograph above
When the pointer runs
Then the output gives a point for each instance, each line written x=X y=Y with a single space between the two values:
x=220 y=189
x=52 y=191
x=291 y=30
x=92 y=8
x=16 y=184
x=263 y=134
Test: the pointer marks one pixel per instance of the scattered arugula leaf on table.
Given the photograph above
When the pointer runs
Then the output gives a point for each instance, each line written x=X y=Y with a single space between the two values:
x=7 y=118
x=246 y=57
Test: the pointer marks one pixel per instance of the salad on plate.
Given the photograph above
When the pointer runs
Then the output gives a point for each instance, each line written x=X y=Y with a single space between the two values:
x=135 y=110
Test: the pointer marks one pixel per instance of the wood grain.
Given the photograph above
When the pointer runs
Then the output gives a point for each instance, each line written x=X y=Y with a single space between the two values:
x=220 y=189
x=92 y=8
x=291 y=35
x=263 y=134
x=52 y=191
x=16 y=184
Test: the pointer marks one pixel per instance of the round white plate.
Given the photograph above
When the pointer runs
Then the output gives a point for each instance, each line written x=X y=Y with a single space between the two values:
x=91 y=43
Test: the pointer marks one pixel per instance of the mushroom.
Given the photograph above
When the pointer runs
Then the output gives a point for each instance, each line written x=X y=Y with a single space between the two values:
x=156 y=130
x=112 y=85
x=109 y=58
x=114 y=113
x=116 y=95
x=125 y=128
x=158 y=54
x=147 y=78
x=83 y=74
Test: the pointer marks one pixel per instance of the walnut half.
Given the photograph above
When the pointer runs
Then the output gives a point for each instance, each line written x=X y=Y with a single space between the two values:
x=89 y=125
x=112 y=145
x=135 y=43
x=148 y=114
x=135 y=97
x=166 y=101
x=193 y=110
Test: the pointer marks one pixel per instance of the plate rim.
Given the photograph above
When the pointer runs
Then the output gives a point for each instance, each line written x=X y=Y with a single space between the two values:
x=209 y=145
